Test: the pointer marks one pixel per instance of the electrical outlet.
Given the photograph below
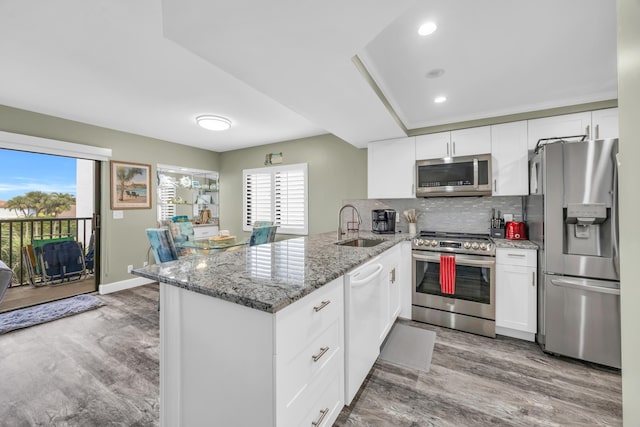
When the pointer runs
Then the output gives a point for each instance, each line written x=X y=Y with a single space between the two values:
x=129 y=268
x=144 y=264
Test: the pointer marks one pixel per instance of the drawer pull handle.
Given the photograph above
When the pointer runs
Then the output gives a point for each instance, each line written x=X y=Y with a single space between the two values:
x=323 y=414
x=322 y=305
x=317 y=357
x=517 y=255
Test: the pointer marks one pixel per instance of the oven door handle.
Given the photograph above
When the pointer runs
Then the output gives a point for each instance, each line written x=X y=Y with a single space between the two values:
x=473 y=261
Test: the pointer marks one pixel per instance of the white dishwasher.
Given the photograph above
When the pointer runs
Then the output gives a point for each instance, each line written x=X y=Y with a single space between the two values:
x=362 y=300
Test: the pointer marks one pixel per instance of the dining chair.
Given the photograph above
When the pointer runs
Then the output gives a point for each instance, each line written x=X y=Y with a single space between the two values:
x=162 y=245
x=6 y=274
x=184 y=238
x=261 y=235
x=262 y=224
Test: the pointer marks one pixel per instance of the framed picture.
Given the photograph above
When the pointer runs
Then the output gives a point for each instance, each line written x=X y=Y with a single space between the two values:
x=130 y=185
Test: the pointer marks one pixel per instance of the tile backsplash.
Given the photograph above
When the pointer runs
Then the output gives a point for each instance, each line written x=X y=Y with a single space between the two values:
x=461 y=214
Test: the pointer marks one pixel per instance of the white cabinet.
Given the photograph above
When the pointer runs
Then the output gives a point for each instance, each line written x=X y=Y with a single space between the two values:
x=516 y=293
x=604 y=123
x=463 y=142
x=467 y=142
x=433 y=146
x=509 y=159
x=405 y=282
x=217 y=356
x=389 y=307
x=595 y=124
x=391 y=169
x=558 y=126
x=309 y=359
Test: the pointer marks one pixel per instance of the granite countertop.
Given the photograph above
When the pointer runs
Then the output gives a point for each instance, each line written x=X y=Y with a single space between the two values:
x=269 y=277
x=514 y=244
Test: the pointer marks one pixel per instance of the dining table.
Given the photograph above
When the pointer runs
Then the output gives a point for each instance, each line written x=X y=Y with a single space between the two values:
x=210 y=245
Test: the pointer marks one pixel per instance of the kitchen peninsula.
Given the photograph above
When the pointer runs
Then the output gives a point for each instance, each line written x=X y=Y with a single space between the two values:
x=236 y=328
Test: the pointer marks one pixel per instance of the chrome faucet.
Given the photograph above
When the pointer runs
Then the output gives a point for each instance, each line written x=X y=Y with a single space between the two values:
x=340 y=232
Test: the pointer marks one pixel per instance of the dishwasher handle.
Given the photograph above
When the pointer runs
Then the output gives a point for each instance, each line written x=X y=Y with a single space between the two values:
x=361 y=282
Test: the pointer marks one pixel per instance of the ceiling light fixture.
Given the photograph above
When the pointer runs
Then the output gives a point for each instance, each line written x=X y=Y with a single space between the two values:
x=427 y=28
x=213 y=122
x=440 y=99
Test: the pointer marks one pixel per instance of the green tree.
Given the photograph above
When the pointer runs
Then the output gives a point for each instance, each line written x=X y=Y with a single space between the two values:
x=124 y=175
x=57 y=203
x=39 y=203
x=19 y=204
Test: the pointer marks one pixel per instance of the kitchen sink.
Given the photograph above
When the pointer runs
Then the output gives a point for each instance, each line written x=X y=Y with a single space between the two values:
x=360 y=243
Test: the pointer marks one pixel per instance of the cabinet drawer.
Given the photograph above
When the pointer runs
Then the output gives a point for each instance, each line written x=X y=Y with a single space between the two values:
x=324 y=394
x=296 y=372
x=301 y=322
x=523 y=257
x=204 y=232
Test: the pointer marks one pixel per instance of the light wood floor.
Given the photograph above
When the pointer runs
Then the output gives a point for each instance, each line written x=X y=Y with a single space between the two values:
x=27 y=295
x=101 y=368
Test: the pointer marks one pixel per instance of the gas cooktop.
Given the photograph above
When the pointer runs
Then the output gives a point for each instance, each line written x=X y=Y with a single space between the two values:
x=463 y=243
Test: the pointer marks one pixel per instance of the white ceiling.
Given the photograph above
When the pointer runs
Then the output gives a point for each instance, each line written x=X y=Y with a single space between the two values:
x=283 y=69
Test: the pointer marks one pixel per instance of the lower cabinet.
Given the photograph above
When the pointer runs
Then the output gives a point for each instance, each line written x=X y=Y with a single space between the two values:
x=391 y=290
x=222 y=363
x=309 y=360
x=516 y=293
x=225 y=364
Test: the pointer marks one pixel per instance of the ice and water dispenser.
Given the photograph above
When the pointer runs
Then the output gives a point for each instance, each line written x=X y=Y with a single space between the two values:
x=588 y=229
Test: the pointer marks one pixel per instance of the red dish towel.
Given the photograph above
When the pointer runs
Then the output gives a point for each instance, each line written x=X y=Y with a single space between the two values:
x=448 y=274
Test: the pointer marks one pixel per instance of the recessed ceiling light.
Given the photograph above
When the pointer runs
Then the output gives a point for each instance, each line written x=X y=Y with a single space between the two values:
x=427 y=28
x=435 y=73
x=440 y=99
x=213 y=122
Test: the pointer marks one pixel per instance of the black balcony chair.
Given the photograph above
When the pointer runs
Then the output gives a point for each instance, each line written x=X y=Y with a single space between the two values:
x=6 y=274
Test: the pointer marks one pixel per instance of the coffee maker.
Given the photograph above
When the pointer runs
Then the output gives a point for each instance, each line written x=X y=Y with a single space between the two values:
x=383 y=221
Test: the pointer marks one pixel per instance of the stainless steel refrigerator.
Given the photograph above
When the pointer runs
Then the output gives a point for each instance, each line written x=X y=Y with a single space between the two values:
x=572 y=214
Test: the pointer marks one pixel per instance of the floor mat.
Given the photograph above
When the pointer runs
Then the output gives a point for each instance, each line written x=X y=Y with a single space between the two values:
x=25 y=317
x=409 y=347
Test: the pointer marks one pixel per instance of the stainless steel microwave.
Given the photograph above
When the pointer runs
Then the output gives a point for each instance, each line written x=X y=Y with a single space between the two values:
x=454 y=176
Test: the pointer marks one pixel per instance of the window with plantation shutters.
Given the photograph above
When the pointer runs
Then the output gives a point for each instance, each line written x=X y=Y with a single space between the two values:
x=277 y=194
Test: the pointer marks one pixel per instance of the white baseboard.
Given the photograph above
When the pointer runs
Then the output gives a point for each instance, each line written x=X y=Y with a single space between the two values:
x=123 y=284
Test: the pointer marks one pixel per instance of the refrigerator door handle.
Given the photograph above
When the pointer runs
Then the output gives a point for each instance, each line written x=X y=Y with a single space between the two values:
x=582 y=284
x=614 y=218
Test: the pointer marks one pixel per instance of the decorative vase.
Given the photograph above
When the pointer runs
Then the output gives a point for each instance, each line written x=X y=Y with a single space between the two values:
x=412 y=228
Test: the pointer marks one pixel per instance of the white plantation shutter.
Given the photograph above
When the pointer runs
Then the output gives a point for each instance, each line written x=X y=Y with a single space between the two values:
x=257 y=198
x=166 y=210
x=277 y=194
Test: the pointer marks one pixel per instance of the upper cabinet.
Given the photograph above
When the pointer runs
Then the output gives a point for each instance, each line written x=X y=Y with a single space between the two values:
x=596 y=124
x=509 y=159
x=604 y=123
x=463 y=142
x=391 y=171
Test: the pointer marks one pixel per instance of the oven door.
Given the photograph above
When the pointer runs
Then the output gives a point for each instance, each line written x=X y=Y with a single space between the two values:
x=474 y=288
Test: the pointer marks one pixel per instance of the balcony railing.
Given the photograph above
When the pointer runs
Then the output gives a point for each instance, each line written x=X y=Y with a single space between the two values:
x=16 y=234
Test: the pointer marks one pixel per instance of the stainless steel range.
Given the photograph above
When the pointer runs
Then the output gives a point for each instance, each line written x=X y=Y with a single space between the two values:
x=454 y=281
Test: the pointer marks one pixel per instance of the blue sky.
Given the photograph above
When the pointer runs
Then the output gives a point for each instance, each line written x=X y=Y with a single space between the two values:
x=22 y=172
